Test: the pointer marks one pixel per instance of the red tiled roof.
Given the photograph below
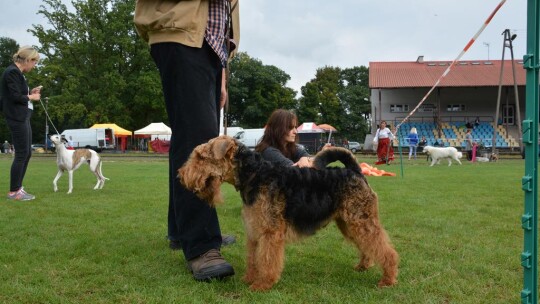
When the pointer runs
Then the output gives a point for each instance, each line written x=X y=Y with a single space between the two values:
x=479 y=73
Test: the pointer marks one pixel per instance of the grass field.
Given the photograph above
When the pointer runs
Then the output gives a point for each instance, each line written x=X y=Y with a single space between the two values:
x=457 y=230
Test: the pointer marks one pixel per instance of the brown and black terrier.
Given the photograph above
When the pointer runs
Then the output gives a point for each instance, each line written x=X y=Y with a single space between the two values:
x=281 y=204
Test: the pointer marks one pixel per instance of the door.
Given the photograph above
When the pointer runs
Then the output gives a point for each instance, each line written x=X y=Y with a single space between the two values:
x=508 y=115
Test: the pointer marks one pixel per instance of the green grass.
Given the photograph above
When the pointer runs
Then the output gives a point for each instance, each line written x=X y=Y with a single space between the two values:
x=457 y=230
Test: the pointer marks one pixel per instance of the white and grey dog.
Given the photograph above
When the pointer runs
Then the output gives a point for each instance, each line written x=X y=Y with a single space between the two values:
x=438 y=153
x=71 y=160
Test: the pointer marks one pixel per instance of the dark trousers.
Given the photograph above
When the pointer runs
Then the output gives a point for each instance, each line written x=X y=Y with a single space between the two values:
x=191 y=80
x=21 y=137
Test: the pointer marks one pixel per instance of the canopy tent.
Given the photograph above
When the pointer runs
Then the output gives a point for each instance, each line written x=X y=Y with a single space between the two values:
x=155 y=128
x=309 y=127
x=159 y=133
x=327 y=127
x=118 y=131
x=121 y=134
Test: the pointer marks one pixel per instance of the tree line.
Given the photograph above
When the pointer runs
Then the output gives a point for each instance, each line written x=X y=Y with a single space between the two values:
x=95 y=69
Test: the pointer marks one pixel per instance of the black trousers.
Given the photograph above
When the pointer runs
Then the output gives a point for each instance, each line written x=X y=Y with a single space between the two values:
x=191 y=80
x=21 y=138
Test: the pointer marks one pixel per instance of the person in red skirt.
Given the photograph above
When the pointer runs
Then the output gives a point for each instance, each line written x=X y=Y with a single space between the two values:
x=384 y=137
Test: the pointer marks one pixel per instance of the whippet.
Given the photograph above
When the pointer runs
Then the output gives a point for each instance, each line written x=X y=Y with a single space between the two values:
x=71 y=160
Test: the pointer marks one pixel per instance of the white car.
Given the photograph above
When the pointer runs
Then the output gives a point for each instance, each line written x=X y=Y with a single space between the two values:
x=355 y=146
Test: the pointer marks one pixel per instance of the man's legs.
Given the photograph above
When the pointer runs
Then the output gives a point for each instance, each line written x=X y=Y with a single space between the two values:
x=191 y=80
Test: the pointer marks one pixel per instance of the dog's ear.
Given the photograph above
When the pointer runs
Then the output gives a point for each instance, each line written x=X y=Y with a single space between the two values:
x=222 y=147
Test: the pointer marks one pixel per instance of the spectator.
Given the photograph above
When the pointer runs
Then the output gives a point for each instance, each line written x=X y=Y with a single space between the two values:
x=413 y=142
x=6 y=147
x=469 y=144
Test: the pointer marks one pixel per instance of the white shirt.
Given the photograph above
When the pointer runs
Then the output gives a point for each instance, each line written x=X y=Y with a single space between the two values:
x=384 y=133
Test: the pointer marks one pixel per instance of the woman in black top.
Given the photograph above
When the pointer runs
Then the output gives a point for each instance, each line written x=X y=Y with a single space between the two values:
x=17 y=107
x=279 y=142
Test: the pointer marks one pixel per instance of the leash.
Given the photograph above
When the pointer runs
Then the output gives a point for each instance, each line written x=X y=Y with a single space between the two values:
x=48 y=117
x=228 y=45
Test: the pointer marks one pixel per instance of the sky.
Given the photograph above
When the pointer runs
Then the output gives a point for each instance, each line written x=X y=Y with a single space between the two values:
x=301 y=36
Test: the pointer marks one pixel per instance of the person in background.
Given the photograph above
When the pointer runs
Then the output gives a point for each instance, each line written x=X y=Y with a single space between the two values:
x=469 y=144
x=17 y=104
x=413 y=142
x=6 y=147
x=384 y=137
x=70 y=144
x=422 y=143
x=477 y=122
x=191 y=43
x=279 y=142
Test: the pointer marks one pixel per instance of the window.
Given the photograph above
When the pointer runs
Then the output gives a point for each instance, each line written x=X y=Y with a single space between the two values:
x=399 y=108
x=455 y=108
x=427 y=107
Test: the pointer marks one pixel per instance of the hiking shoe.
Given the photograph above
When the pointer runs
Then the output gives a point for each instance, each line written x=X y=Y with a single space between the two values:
x=226 y=240
x=33 y=196
x=210 y=265
x=20 y=195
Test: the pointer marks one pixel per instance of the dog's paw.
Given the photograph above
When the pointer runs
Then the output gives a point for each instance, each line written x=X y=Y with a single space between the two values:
x=260 y=286
x=386 y=282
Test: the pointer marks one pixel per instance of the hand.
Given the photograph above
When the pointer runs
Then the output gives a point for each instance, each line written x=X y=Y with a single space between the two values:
x=223 y=96
x=36 y=90
x=35 y=96
x=304 y=162
x=326 y=146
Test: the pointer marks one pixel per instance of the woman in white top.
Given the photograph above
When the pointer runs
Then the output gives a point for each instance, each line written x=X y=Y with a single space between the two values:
x=385 y=152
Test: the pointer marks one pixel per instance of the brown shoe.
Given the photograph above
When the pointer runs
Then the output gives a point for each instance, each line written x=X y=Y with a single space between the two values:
x=210 y=265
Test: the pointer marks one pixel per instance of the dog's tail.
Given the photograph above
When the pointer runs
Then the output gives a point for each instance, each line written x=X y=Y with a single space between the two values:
x=327 y=156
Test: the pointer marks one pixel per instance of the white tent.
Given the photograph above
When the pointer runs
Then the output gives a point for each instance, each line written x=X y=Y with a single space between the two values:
x=158 y=129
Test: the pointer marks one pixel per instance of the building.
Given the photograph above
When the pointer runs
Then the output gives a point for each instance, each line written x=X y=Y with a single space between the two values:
x=468 y=92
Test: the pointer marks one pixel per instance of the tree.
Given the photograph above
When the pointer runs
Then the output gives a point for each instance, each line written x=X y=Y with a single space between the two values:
x=255 y=91
x=355 y=101
x=339 y=98
x=8 y=47
x=96 y=69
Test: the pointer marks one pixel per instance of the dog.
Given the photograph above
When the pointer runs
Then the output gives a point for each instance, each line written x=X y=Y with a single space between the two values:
x=71 y=160
x=282 y=204
x=438 y=153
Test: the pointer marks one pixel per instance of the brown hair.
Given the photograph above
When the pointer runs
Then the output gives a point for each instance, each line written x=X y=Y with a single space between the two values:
x=277 y=127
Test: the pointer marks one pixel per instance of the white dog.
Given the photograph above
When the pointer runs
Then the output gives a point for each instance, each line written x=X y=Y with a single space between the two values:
x=71 y=160
x=437 y=154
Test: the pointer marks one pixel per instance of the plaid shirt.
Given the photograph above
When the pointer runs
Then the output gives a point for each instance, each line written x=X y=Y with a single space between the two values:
x=216 y=28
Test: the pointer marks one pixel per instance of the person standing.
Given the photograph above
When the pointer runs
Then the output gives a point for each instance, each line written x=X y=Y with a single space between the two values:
x=191 y=43
x=413 y=142
x=384 y=137
x=469 y=144
x=17 y=105
x=6 y=147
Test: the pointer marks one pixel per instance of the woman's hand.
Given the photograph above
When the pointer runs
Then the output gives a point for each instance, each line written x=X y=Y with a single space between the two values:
x=34 y=96
x=304 y=162
x=36 y=90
